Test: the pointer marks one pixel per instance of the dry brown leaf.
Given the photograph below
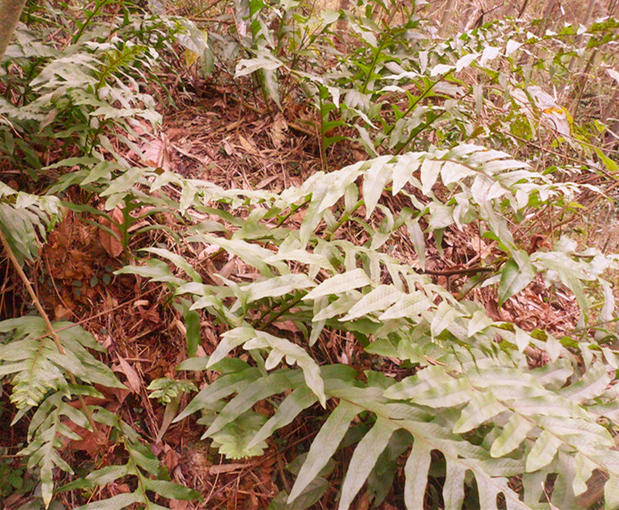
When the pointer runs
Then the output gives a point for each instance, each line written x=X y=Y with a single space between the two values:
x=289 y=326
x=225 y=468
x=170 y=458
x=363 y=502
x=266 y=181
x=248 y=145
x=156 y=153
x=227 y=268
x=277 y=131
x=61 y=313
x=112 y=244
x=168 y=416
x=134 y=382
x=91 y=442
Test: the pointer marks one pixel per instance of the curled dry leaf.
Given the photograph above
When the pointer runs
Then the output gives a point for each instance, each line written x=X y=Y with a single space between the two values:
x=112 y=244
x=134 y=382
x=277 y=132
x=156 y=152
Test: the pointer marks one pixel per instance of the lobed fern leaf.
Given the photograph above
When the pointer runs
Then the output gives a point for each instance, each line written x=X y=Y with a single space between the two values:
x=471 y=397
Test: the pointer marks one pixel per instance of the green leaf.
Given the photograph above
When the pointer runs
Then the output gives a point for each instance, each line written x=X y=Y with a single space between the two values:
x=178 y=261
x=340 y=283
x=324 y=445
x=375 y=179
x=277 y=286
x=410 y=305
x=403 y=169
x=294 y=354
x=364 y=459
x=192 y=324
x=416 y=473
x=430 y=169
x=264 y=387
x=114 y=503
x=143 y=456
x=543 y=451
x=514 y=279
x=230 y=340
x=454 y=172
x=479 y=321
x=378 y=299
x=300 y=399
x=221 y=388
x=480 y=408
x=453 y=490
x=107 y=474
x=513 y=434
x=416 y=234
x=611 y=493
x=232 y=440
x=170 y=490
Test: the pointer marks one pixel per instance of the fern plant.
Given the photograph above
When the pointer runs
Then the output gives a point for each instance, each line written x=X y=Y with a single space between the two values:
x=399 y=88
x=470 y=394
x=429 y=377
x=91 y=86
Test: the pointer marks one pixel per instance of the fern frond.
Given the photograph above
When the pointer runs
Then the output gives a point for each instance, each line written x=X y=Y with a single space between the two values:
x=37 y=365
x=471 y=396
x=25 y=219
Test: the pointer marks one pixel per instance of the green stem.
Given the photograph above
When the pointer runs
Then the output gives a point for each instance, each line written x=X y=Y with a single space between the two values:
x=416 y=101
x=293 y=209
x=95 y=11
x=263 y=323
x=415 y=132
x=343 y=219
x=364 y=87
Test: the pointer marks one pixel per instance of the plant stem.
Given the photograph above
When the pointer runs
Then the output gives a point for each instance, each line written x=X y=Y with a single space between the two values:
x=364 y=87
x=450 y=272
x=94 y=12
x=343 y=219
x=416 y=101
x=415 y=132
x=293 y=209
x=264 y=322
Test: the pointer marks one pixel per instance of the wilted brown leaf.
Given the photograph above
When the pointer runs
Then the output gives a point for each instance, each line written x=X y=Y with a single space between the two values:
x=111 y=243
x=134 y=381
x=277 y=131
x=156 y=152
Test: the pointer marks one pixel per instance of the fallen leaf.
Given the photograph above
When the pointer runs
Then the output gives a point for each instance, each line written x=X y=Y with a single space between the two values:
x=265 y=182
x=91 y=442
x=156 y=153
x=112 y=244
x=286 y=326
x=168 y=416
x=277 y=131
x=61 y=313
x=248 y=145
x=170 y=458
x=134 y=381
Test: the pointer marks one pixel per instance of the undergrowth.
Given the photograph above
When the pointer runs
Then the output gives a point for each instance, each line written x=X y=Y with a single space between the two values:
x=436 y=401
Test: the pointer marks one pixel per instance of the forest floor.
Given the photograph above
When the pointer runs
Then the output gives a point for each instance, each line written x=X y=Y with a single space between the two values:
x=211 y=134
x=228 y=137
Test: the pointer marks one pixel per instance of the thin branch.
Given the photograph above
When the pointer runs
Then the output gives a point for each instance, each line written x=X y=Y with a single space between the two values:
x=451 y=272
